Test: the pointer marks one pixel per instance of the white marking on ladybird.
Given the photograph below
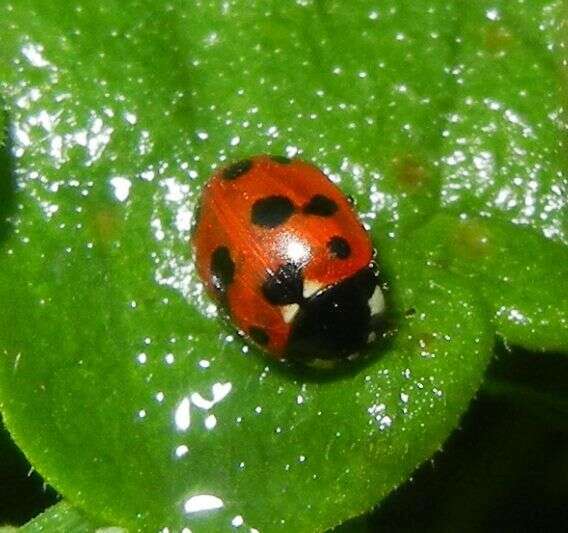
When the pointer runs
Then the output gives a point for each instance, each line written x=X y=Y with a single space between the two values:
x=289 y=312
x=377 y=302
x=372 y=337
x=311 y=287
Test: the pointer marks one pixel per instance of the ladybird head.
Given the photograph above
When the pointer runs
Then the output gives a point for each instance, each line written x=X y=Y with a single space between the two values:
x=337 y=322
x=327 y=322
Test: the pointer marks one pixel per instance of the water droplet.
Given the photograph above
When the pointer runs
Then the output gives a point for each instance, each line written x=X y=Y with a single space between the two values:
x=210 y=421
x=121 y=188
x=181 y=450
x=237 y=521
x=492 y=14
x=202 y=502
x=182 y=416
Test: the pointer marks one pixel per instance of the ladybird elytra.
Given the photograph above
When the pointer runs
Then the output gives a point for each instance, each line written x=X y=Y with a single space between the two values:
x=281 y=249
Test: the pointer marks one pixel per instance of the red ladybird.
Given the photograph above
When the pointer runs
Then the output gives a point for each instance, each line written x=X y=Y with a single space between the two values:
x=280 y=248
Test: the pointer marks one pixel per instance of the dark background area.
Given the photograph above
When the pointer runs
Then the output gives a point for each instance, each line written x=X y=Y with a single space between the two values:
x=505 y=469
x=23 y=493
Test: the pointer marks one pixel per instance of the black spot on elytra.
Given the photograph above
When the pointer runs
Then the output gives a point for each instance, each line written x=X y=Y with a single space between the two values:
x=285 y=286
x=339 y=247
x=222 y=269
x=271 y=211
x=321 y=206
x=259 y=335
x=281 y=159
x=237 y=169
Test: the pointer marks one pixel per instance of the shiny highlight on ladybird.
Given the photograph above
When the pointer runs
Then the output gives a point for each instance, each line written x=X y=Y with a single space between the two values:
x=281 y=249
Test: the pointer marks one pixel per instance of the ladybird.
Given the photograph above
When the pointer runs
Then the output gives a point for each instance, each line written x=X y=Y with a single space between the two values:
x=281 y=249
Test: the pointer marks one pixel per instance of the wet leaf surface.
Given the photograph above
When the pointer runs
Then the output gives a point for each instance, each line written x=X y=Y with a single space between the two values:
x=522 y=276
x=118 y=380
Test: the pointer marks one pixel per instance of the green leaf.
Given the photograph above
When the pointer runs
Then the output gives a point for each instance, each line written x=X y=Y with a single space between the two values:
x=116 y=377
x=506 y=151
x=6 y=178
x=105 y=424
x=62 y=517
x=522 y=275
